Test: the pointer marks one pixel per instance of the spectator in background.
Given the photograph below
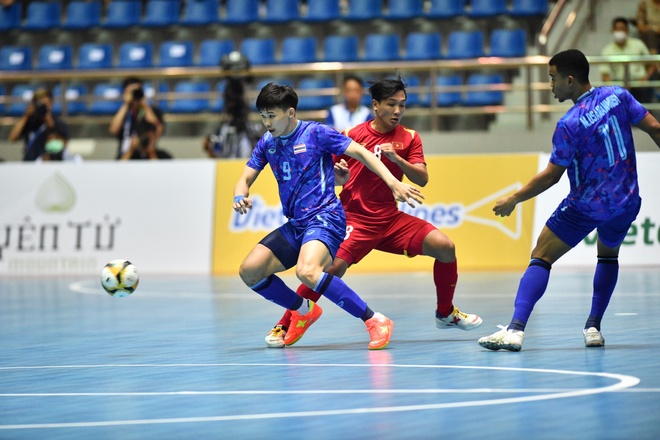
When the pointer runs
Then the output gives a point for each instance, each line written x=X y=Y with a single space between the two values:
x=34 y=124
x=351 y=112
x=55 y=148
x=134 y=111
x=624 y=44
x=648 y=23
x=144 y=144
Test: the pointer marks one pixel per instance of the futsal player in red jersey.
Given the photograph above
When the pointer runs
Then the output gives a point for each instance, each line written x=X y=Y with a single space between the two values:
x=373 y=220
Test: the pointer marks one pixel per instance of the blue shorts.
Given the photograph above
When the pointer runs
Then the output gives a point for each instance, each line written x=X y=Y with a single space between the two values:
x=285 y=242
x=572 y=226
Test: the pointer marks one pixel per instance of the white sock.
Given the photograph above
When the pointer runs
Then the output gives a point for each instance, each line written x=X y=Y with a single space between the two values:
x=304 y=308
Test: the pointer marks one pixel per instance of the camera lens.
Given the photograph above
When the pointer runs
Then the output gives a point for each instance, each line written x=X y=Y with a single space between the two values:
x=41 y=109
x=138 y=94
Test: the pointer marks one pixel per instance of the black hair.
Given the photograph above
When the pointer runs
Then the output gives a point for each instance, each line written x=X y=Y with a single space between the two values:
x=56 y=131
x=130 y=80
x=385 y=88
x=573 y=63
x=620 y=20
x=352 y=77
x=274 y=96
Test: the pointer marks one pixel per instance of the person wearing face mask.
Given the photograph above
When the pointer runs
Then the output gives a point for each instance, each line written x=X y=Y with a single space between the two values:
x=35 y=122
x=624 y=44
x=55 y=148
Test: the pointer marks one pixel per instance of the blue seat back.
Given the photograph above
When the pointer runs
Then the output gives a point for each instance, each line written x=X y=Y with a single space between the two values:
x=133 y=55
x=218 y=104
x=508 y=43
x=190 y=104
x=161 y=13
x=484 y=97
x=82 y=14
x=364 y=10
x=381 y=47
x=95 y=56
x=73 y=96
x=107 y=99
x=259 y=50
x=341 y=48
x=42 y=16
x=465 y=44
x=55 y=57
x=241 y=11
x=423 y=46
x=201 y=12
x=123 y=14
x=529 y=8
x=281 y=11
x=449 y=98
x=298 y=50
x=322 y=10
x=487 y=8
x=446 y=9
x=176 y=54
x=405 y=9
x=212 y=51
x=10 y=17
x=21 y=96
x=16 y=58
x=315 y=102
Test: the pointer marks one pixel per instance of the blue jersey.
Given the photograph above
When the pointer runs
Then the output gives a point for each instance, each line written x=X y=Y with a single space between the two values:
x=594 y=141
x=303 y=167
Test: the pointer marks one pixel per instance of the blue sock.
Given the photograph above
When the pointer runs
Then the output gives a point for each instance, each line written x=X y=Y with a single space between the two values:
x=274 y=290
x=531 y=288
x=605 y=278
x=338 y=292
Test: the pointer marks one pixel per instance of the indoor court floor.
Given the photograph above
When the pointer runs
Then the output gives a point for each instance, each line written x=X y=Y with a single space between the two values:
x=184 y=358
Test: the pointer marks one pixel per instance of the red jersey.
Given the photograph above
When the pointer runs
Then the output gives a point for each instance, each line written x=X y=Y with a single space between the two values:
x=365 y=193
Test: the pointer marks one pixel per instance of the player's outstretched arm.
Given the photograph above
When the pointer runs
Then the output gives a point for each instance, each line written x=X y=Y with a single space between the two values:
x=402 y=191
x=242 y=190
x=342 y=174
x=539 y=183
x=651 y=126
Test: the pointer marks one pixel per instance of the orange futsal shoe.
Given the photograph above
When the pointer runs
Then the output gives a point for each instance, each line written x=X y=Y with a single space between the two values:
x=300 y=323
x=380 y=331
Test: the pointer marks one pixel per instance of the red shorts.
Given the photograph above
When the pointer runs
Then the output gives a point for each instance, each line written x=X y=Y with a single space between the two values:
x=401 y=234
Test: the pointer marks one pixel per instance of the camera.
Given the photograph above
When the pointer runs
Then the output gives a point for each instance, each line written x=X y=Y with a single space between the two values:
x=138 y=94
x=41 y=109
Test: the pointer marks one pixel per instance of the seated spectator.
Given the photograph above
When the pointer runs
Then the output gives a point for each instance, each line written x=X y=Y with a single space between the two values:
x=55 y=148
x=134 y=111
x=648 y=23
x=350 y=112
x=144 y=144
x=34 y=124
x=624 y=44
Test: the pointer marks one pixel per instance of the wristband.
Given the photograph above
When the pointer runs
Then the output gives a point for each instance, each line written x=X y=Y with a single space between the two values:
x=238 y=199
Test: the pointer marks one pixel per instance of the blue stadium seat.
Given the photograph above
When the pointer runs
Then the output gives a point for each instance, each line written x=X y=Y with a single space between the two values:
x=123 y=14
x=446 y=9
x=133 y=55
x=201 y=12
x=423 y=46
x=212 y=51
x=484 y=97
x=449 y=98
x=322 y=10
x=281 y=11
x=412 y=98
x=176 y=54
x=161 y=13
x=241 y=11
x=107 y=99
x=82 y=14
x=42 y=16
x=150 y=94
x=465 y=44
x=364 y=10
x=487 y=8
x=22 y=95
x=259 y=50
x=55 y=57
x=10 y=17
x=95 y=56
x=381 y=47
x=3 y=96
x=298 y=50
x=190 y=104
x=405 y=9
x=319 y=102
x=16 y=58
x=71 y=96
x=508 y=43
x=529 y=8
x=218 y=104
x=340 y=48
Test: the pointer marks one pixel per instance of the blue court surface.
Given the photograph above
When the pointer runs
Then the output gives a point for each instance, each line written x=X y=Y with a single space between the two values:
x=184 y=358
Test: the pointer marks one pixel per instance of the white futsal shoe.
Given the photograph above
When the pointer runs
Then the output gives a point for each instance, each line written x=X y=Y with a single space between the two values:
x=504 y=339
x=593 y=338
x=275 y=337
x=458 y=319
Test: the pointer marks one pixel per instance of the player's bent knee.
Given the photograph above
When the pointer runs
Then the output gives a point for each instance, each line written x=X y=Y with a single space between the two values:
x=308 y=275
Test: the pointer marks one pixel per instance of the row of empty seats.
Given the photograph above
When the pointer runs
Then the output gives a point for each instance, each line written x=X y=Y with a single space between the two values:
x=83 y=14
x=377 y=47
x=105 y=98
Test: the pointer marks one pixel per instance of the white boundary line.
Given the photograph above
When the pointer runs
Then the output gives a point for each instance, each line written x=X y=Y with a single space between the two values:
x=623 y=382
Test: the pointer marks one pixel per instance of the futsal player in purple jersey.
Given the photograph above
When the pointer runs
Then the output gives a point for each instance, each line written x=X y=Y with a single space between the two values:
x=594 y=142
x=300 y=156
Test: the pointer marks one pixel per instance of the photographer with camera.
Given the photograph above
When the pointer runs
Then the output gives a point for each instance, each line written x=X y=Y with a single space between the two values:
x=135 y=110
x=35 y=123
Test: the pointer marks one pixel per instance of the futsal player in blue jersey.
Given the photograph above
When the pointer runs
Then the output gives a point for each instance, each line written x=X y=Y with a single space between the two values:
x=300 y=156
x=594 y=142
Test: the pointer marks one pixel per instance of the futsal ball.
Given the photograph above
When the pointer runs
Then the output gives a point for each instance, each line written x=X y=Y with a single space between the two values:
x=119 y=278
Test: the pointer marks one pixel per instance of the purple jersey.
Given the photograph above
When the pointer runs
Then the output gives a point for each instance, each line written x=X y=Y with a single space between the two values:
x=303 y=167
x=594 y=141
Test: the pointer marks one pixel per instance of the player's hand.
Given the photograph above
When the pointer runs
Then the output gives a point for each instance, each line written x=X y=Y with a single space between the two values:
x=407 y=194
x=341 y=172
x=242 y=204
x=504 y=206
x=389 y=151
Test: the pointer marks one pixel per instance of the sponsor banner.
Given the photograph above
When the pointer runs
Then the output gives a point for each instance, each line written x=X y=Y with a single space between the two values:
x=61 y=218
x=459 y=199
x=642 y=245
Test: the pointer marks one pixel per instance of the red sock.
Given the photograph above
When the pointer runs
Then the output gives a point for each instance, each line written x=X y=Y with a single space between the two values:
x=306 y=293
x=445 y=276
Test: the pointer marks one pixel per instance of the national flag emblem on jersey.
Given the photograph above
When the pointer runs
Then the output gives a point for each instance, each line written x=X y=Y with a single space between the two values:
x=300 y=148
x=398 y=145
